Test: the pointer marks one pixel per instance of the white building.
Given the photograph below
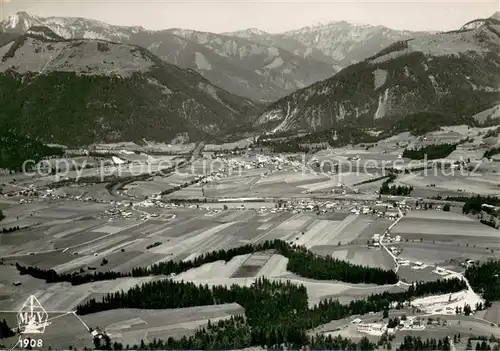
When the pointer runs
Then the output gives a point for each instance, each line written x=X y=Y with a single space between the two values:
x=372 y=328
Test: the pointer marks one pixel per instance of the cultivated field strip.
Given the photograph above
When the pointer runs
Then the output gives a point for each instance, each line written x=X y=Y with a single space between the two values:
x=357 y=254
x=274 y=267
x=377 y=226
x=188 y=244
x=333 y=232
x=75 y=264
x=430 y=253
x=233 y=265
x=440 y=227
x=473 y=184
x=352 y=229
x=438 y=215
x=144 y=259
x=314 y=233
x=131 y=325
x=311 y=187
x=181 y=228
x=287 y=228
x=63 y=230
x=101 y=245
x=252 y=265
x=340 y=254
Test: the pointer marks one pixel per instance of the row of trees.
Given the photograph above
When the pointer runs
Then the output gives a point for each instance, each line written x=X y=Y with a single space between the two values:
x=400 y=190
x=10 y=229
x=490 y=223
x=474 y=204
x=416 y=343
x=430 y=152
x=275 y=312
x=395 y=190
x=483 y=345
x=492 y=152
x=492 y=132
x=301 y=261
x=76 y=278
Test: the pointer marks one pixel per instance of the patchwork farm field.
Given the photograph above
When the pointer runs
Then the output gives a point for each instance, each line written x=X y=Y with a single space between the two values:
x=443 y=226
x=83 y=242
x=261 y=182
x=127 y=243
x=446 y=239
x=450 y=182
x=71 y=236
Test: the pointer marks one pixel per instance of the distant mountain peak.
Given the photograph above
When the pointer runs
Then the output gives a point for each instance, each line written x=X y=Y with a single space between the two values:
x=255 y=31
x=23 y=14
x=44 y=33
x=247 y=33
x=333 y=25
x=404 y=79
x=19 y=21
x=480 y=22
x=67 y=27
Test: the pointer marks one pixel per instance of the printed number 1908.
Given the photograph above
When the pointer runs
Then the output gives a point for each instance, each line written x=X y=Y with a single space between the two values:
x=30 y=343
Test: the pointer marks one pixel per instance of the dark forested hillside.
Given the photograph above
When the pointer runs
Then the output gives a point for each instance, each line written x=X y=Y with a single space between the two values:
x=16 y=149
x=411 y=78
x=98 y=91
x=485 y=279
x=430 y=152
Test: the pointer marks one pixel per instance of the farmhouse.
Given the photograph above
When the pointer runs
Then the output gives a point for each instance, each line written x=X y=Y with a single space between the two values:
x=372 y=328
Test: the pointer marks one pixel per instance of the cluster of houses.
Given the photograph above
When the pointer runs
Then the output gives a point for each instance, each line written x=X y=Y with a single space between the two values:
x=379 y=328
x=116 y=212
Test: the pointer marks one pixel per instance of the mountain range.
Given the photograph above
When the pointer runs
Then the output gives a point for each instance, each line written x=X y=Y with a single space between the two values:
x=249 y=63
x=78 y=81
x=79 y=91
x=454 y=75
x=338 y=43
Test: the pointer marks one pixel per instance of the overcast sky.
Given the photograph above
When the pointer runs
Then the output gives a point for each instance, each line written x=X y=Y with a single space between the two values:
x=271 y=16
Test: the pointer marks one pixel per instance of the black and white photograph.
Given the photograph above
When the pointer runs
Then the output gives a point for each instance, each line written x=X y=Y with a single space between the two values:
x=250 y=175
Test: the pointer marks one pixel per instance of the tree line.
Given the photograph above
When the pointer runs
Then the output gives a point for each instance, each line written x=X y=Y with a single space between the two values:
x=430 y=152
x=343 y=134
x=400 y=190
x=474 y=204
x=416 y=343
x=75 y=278
x=10 y=229
x=491 y=152
x=482 y=345
x=300 y=261
x=276 y=312
x=490 y=223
